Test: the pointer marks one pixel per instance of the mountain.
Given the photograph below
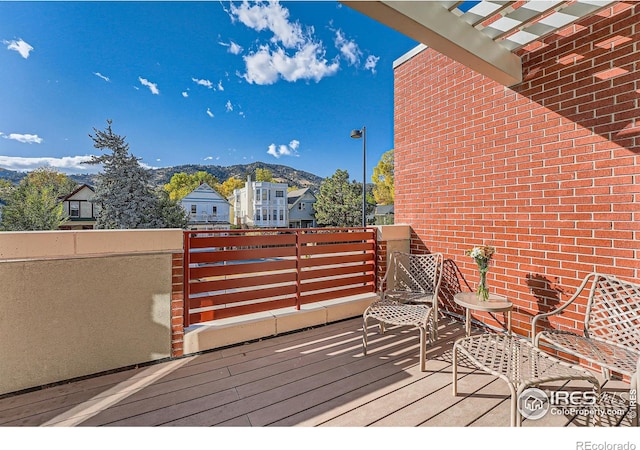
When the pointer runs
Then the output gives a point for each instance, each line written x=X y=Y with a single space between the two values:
x=161 y=176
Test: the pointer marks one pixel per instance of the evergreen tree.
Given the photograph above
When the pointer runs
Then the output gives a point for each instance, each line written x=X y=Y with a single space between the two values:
x=339 y=202
x=123 y=193
x=171 y=212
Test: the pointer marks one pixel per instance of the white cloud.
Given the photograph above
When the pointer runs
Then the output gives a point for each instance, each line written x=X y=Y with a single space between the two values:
x=269 y=16
x=293 y=54
x=153 y=87
x=235 y=48
x=220 y=86
x=209 y=113
x=308 y=63
x=19 y=46
x=23 y=138
x=66 y=164
x=185 y=94
x=232 y=47
x=229 y=106
x=348 y=48
x=208 y=158
x=284 y=150
x=205 y=83
x=99 y=75
x=371 y=63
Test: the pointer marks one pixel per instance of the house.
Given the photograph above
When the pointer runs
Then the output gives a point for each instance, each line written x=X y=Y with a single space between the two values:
x=80 y=209
x=383 y=215
x=301 y=213
x=206 y=208
x=261 y=204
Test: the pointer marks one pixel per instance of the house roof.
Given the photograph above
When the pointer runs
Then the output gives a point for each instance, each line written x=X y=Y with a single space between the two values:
x=295 y=195
x=78 y=189
x=204 y=188
x=487 y=36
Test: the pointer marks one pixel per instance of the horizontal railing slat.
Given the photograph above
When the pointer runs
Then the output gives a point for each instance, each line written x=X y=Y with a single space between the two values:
x=234 y=267
x=322 y=296
x=205 y=316
x=242 y=282
x=335 y=283
x=335 y=259
x=243 y=241
x=243 y=255
x=336 y=271
x=238 y=297
x=335 y=248
x=338 y=236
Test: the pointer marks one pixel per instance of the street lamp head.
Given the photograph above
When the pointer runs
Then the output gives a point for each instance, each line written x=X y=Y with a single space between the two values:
x=356 y=134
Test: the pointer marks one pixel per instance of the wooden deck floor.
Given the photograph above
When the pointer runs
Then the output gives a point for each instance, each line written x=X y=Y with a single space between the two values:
x=317 y=377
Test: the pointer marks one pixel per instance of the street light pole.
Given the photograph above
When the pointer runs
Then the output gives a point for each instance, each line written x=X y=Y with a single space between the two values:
x=357 y=134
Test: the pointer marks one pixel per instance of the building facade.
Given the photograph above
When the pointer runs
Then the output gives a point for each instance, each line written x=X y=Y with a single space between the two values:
x=80 y=209
x=206 y=208
x=261 y=204
x=301 y=211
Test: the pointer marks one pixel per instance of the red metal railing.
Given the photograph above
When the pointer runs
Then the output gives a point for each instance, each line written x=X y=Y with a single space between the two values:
x=234 y=272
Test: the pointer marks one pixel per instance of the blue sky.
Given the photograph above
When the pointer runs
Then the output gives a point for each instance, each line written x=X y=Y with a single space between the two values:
x=218 y=83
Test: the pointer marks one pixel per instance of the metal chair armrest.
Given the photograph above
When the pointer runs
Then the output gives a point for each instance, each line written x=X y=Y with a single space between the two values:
x=558 y=310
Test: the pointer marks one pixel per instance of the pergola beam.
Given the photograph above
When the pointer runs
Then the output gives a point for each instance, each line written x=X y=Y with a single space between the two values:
x=433 y=25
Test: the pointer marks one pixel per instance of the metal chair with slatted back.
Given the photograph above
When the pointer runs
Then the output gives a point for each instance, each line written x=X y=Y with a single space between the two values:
x=408 y=297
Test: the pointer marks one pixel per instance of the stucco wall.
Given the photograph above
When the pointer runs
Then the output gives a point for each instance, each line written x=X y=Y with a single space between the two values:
x=75 y=303
x=548 y=171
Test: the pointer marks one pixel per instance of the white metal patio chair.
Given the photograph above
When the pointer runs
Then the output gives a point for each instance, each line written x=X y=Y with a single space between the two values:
x=408 y=297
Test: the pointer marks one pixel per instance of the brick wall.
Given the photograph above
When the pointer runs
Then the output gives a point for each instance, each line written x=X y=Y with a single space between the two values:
x=548 y=171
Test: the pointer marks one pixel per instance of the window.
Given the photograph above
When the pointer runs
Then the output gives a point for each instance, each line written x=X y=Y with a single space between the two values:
x=264 y=214
x=275 y=214
x=193 y=209
x=281 y=215
x=74 y=209
x=265 y=195
x=279 y=194
x=301 y=206
x=214 y=210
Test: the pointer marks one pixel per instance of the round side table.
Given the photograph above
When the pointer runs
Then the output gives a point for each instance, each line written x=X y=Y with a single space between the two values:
x=496 y=303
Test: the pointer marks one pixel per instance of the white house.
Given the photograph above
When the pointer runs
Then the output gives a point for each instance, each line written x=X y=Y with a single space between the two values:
x=206 y=208
x=301 y=212
x=261 y=204
x=80 y=209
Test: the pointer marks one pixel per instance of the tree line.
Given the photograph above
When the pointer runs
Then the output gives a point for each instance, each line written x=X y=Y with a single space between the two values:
x=125 y=199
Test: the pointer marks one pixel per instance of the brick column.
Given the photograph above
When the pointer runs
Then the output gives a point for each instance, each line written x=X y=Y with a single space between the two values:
x=177 y=308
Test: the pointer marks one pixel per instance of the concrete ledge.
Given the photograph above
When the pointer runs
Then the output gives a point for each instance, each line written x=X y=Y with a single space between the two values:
x=39 y=245
x=220 y=333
